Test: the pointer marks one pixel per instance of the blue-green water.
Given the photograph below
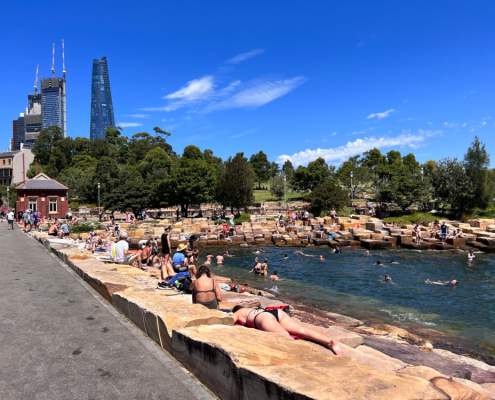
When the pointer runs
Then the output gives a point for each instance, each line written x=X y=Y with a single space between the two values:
x=351 y=283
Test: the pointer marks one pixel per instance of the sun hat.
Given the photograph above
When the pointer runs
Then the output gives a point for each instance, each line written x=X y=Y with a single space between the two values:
x=181 y=247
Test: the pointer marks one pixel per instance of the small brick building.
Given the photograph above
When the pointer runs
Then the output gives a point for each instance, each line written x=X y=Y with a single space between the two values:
x=43 y=194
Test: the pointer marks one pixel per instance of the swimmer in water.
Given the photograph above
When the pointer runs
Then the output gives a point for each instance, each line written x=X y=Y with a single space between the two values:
x=366 y=253
x=274 y=277
x=285 y=257
x=471 y=256
x=322 y=257
x=301 y=253
x=387 y=278
x=379 y=263
x=452 y=283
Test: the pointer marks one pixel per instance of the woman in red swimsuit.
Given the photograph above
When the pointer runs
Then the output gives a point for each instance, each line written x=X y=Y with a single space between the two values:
x=278 y=321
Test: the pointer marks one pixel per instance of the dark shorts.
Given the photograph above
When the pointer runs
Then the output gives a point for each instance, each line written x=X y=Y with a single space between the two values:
x=179 y=268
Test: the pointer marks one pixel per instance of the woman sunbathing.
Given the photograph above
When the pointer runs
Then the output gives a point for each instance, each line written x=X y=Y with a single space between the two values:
x=280 y=322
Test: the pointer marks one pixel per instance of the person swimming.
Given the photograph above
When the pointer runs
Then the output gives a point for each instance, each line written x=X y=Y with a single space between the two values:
x=471 y=256
x=301 y=253
x=387 y=278
x=452 y=282
x=274 y=276
x=366 y=253
x=322 y=257
x=285 y=257
x=379 y=263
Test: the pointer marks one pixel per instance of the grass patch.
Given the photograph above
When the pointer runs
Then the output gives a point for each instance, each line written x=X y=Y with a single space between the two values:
x=478 y=213
x=242 y=218
x=414 y=218
x=262 y=196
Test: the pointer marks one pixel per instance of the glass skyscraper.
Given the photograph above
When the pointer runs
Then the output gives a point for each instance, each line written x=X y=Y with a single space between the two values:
x=53 y=108
x=102 y=116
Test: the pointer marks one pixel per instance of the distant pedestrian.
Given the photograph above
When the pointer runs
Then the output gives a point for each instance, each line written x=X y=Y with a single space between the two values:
x=10 y=219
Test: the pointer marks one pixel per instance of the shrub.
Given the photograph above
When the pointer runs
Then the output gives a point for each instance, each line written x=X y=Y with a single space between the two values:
x=414 y=218
x=85 y=227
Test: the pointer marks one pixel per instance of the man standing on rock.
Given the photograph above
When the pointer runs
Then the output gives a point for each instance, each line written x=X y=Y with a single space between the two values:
x=10 y=219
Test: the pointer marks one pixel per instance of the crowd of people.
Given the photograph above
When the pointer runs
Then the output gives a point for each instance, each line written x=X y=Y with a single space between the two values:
x=435 y=230
x=180 y=268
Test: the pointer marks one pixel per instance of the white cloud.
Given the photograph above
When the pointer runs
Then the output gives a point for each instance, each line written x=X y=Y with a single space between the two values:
x=124 y=125
x=380 y=115
x=245 y=56
x=258 y=94
x=138 y=116
x=193 y=90
x=358 y=146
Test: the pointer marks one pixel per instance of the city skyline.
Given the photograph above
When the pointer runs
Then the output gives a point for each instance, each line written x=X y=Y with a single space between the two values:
x=323 y=79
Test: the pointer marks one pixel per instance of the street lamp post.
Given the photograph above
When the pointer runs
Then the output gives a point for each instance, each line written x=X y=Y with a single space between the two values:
x=285 y=190
x=352 y=189
x=99 y=211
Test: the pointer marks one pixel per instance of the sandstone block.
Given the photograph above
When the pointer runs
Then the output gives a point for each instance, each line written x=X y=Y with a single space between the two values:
x=242 y=363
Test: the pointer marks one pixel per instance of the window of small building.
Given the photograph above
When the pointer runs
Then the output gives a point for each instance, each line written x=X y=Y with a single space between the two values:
x=33 y=204
x=52 y=205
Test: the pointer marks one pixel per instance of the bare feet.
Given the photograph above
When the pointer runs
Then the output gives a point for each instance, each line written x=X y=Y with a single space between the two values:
x=335 y=347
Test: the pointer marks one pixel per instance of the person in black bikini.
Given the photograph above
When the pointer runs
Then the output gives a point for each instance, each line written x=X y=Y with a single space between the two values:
x=279 y=322
x=205 y=290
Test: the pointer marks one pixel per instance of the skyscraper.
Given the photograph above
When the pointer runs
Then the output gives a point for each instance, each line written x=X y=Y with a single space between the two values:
x=18 y=132
x=32 y=119
x=52 y=104
x=53 y=98
x=101 y=100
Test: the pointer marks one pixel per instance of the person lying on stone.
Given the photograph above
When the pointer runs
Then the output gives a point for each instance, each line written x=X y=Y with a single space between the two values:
x=279 y=321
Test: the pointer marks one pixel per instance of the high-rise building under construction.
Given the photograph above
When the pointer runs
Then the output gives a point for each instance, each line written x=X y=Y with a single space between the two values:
x=46 y=107
x=102 y=116
x=54 y=98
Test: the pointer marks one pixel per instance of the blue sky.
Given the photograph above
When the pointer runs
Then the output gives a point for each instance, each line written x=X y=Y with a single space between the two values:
x=298 y=79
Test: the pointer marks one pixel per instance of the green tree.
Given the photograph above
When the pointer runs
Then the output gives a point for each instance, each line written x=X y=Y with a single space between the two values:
x=327 y=195
x=453 y=187
x=261 y=167
x=235 y=186
x=360 y=180
x=277 y=188
x=191 y=182
x=7 y=197
x=288 y=170
x=307 y=178
x=476 y=163
x=373 y=161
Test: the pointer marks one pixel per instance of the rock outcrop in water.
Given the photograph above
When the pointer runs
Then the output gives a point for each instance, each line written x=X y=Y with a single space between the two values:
x=367 y=232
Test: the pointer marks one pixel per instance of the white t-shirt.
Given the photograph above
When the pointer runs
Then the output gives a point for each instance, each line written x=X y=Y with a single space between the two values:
x=119 y=251
x=10 y=216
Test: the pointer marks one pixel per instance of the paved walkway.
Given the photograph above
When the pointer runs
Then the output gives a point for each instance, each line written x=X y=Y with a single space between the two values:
x=60 y=340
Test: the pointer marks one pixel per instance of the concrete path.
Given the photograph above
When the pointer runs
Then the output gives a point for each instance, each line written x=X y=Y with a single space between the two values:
x=60 y=340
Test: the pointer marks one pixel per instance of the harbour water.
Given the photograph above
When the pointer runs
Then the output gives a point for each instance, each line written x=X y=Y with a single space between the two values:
x=351 y=283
